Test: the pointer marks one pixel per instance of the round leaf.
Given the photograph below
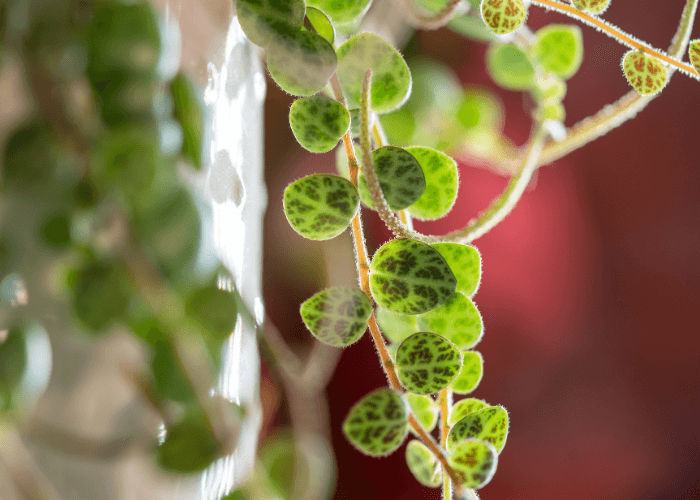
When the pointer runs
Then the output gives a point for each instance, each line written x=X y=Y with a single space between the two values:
x=646 y=74
x=427 y=363
x=592 y=6
x=337 y=316
x=188 y=112
x=400 y=177
x=489 y=424
x=102 y=295
x=510 y=67
x=694 y=53
x=170 y=379
x=458 y=320
x=464 y=407
x=474 y=461
x=377 y=424
x=318 y=122
x=391 y=80
x=441 y=183
x=410 y=277
x=321 y=24
x=470 y=375
x=341 y=12
x=423 y=464
x=189 y=446
x=301 y=63
x=559 y=48
x=465 y=262
x=13 y=361
x=503 y=16
x=396 y=327
x=215 y=309
x=321 y=206
x=425 y=410
x=263 y=20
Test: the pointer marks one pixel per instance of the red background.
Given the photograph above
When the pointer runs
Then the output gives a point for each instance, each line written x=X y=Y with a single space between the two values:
x=590 y=293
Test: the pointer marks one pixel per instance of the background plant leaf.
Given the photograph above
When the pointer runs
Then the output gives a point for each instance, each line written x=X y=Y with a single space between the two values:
x=263 y=20
x=559 y=49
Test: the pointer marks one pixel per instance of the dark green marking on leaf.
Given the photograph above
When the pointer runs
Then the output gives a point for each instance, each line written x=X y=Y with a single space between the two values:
x=694 y=54
x=474 y=462
x=400 y=177
x=458 y=320
x=396 y=327
x=301 y=63
x=427 y=363
x=188 y=112
x=464 y=407
x=215 y=309
x=465 y=263
x=510 y=67
x=391 y=80
x=559 y=48
x=320 y=206
x=337 y=316
x=320 y=22
x=378 y=423
x=102 y=295
x=503 y=16
x=410 y=277
x=318 y=122
x=645 y=73
x=591 y=6
x=489 y=424
x=441 y=183
x=423 y=464
x=341 y=11
x=263 y=20
x=189 y=446
x=425 y=410
x=470 y=375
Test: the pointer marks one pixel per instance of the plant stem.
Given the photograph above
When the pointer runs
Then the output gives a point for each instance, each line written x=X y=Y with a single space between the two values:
x=445 y=402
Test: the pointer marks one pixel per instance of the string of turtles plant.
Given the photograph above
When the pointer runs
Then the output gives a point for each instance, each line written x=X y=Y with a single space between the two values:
x=415 y=295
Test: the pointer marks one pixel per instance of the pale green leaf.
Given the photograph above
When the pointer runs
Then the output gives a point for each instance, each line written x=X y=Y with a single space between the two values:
x=263 y=20
x=215 y=309
x=424 y=466
x=318 y=122
x=474 y=462
x=378 y=423
x=427 y=363
x=559 y=48
x=645 y=73
x=458 y=320
x=471 y=27
x=442 y=181
x=465 y=263
x=341 y=11
x=510 y=67
x=424 y=408
x=489 y=424
x=470 y=375
x=591 y=6
x=694 y=54
x=400 y=177
x=396 y=326
x=320 y=22
x=337 y=316
x=464 y=407
x=410 y=277
x=321 y=206
x=503 y=16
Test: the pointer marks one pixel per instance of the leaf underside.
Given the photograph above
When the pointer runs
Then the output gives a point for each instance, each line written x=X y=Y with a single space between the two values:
x=423 y=464
x=474 y=462
x=489 y=424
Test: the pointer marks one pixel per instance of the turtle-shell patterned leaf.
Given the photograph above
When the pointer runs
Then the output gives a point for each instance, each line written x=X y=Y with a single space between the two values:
x=646 y=74
x=337 y=316
x=423 y=464
x=410 y=277
x=471 y=374
x=489 y=424
x=263 y=20
x=474 y=462
x=400 y=177
x=320 y=206
x=694 y=53
x=464 y=407
x=321 y=23
x=341 y=11
x=301 y=63
x=378 y=423
x=318 y=122
x=503 y=16
x=591 y=6
x=427 y=363
x=441 y=183
x=396 y=327
x=458 y=320
x=425 y=409
x=391 y=80
x=465 y=262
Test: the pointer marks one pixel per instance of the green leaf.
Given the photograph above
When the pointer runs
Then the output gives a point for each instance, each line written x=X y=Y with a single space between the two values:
x=474 y=461
x=102 y=295
x=400 y=177
x=278 y=459
x=471 y=27
x=301 y=63
x=489 y=424
x=645 y=73
x=341 y=12
x=424 y=466
x=503 y=16
x=188 y=112
x=263 y=20
x=592 y=6
x=318 y=122
x=30 y=157
x=377 y=424
x=13 y=361
x=128 y=158
x=215 y=309
x=694 y=54
x=559 y=48
x=391 y=80
x=470 y=375
x=321 y=23
x=170 y=380
x=396 y=326
x=337 y=316
x=458 y=320
x=320 y=206
x=56 y=230
x=464 y=407
x=465 y=262
x=410 y=277
x=425 y=410
x=510 y=67
x=427 y=363
x=441 y=183
x=189 y=445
